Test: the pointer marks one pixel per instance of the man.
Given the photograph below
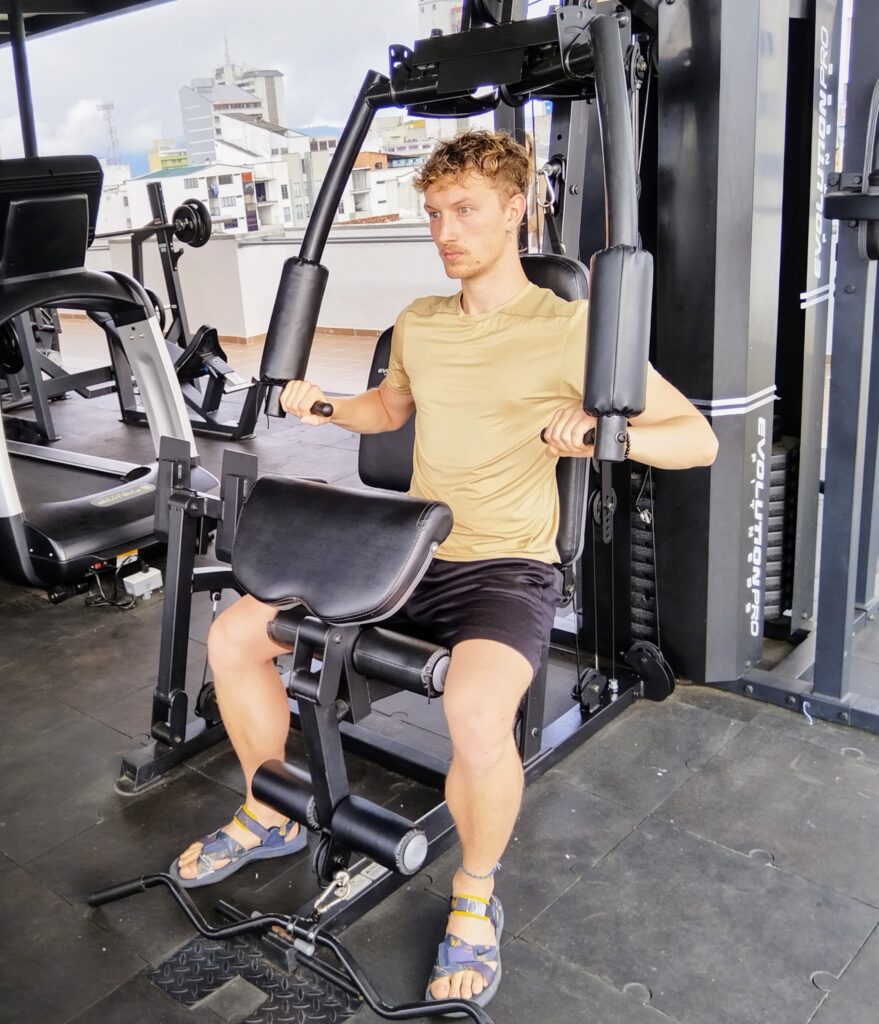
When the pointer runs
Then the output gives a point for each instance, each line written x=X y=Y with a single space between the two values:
x=486 y=368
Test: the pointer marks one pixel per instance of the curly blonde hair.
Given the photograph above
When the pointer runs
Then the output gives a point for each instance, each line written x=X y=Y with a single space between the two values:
x=495 y=155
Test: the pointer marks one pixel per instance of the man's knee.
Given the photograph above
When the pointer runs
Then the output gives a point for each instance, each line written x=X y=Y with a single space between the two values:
x=481 y=730
x=238 y=635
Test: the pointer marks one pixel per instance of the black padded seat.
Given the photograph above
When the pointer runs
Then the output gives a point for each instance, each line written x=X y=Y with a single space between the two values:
x=348 y=556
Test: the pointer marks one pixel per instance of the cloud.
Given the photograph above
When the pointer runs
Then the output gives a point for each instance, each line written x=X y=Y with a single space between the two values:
x=138 y=61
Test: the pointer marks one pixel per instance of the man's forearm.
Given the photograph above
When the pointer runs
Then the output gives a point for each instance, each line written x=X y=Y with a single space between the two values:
x=363 y=414
x=679 y=443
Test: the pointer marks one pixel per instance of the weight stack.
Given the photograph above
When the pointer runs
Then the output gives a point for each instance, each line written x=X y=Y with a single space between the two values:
x=643 y=577
x=781 y=528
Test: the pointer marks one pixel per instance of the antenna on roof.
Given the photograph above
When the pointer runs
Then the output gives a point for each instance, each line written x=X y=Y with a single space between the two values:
x=107 y=110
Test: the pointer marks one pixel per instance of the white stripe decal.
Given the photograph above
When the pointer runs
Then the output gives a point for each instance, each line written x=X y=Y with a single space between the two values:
x=815 y=291
x=808 y=303
x=743 y=410
x=735 y=404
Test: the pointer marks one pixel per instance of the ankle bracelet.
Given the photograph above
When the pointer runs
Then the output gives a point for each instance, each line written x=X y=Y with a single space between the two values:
x=482 y=878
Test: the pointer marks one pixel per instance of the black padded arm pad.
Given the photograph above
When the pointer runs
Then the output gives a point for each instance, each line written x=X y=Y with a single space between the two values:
x=348 y=556
x=621 y=295
x=292 y=326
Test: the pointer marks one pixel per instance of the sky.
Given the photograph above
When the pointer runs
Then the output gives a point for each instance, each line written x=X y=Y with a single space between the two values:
x=138 y=61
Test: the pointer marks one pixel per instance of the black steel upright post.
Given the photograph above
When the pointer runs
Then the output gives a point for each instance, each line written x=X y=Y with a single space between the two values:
x=169 y=264
x=815 y=300
x=721 y=109
x=852 y=339
x=868 y=546
x=22 y=78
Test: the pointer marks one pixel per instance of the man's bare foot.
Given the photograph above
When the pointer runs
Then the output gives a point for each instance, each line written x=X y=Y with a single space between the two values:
x=476 y=932
x=187 y=862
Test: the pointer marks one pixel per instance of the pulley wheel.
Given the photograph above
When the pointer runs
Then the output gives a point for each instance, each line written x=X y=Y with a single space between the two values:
x=159 y=308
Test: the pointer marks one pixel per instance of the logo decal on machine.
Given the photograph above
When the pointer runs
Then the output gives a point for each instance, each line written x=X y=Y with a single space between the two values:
x=126 y=494
x=754 y=582
x=824 y=160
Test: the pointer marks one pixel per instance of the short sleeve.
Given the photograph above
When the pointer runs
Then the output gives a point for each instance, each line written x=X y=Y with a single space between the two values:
x=397 y=379
x=573 y=368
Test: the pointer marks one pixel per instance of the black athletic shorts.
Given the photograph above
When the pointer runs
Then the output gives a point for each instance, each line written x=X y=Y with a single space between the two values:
x=511 y=600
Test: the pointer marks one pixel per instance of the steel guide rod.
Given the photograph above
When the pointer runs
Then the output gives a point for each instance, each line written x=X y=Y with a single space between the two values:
x=22 y=78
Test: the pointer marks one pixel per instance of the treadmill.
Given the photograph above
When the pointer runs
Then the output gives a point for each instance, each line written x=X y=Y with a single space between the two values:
x=72 y=510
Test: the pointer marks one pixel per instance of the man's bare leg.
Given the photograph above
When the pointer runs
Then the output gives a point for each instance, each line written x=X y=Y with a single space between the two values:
x=253 y=706
x=484 y=686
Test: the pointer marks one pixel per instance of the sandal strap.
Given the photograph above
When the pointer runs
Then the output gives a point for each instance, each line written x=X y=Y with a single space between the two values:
x=454 y=955
x=472 y=906
x=265 y=835
x=476 y=906
x=217 y=846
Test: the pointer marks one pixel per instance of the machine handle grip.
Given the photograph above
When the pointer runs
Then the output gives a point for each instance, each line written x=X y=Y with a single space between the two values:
x=588 y=437
x=117 y=892
x=322 y=409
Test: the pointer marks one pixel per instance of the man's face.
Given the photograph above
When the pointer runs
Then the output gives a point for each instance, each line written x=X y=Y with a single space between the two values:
x=469 y=221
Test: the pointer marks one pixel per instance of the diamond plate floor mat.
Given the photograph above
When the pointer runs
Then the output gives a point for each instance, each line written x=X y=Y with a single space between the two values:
x=203 y=966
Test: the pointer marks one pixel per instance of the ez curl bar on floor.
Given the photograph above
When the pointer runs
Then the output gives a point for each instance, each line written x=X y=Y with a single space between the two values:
x=307 y=935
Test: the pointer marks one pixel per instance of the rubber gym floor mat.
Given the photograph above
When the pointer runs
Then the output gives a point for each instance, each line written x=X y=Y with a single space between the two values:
x=203 y=966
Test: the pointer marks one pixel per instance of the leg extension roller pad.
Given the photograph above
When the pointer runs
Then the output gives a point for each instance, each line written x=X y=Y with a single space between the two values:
x=388 y=838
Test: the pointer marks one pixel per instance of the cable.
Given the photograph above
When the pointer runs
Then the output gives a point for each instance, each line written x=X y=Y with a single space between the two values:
x=649 y=475
x=96 y=600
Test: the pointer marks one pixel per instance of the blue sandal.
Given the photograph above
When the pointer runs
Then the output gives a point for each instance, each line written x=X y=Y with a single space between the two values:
x=455 y=955
x=220 y=845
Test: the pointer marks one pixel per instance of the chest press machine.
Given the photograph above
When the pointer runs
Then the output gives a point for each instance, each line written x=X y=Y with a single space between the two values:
x=338 y=562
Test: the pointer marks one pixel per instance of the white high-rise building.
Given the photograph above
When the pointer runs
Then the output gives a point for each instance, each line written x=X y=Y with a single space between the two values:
x=265 y=84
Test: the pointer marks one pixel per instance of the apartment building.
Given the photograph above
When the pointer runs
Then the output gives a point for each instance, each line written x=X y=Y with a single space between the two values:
x=241 y=199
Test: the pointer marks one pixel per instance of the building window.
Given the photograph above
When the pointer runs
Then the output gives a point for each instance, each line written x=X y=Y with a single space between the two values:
x=232 y=224
x=285 y=192
x=225 y=179
x=297 y=188
x=125 y=200
x=190 y=182
x=287 y=216
x=342 y=207
x=229 y=200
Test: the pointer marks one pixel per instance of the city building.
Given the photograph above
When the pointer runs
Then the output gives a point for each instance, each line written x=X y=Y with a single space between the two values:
x=266 y=85
x=444 y=15
x=242 y=199
x=114 y=213
x=201 y=105
x=166 y=154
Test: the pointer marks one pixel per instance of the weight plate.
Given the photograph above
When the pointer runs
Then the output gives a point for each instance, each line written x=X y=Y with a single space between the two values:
x=206 y=225
x=10 y=350
x=186 y=224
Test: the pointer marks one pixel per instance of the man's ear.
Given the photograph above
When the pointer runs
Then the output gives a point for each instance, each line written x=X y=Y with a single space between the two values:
x=517 y=207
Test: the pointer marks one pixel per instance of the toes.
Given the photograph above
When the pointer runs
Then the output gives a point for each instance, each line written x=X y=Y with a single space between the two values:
x=455 y=986
x=440 y=988
x=476 y=983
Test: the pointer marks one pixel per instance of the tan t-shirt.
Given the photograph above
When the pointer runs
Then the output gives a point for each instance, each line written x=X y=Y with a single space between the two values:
x=484 y=385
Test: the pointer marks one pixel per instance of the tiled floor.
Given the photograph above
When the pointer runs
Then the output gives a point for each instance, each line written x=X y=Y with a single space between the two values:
x=708 y=860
